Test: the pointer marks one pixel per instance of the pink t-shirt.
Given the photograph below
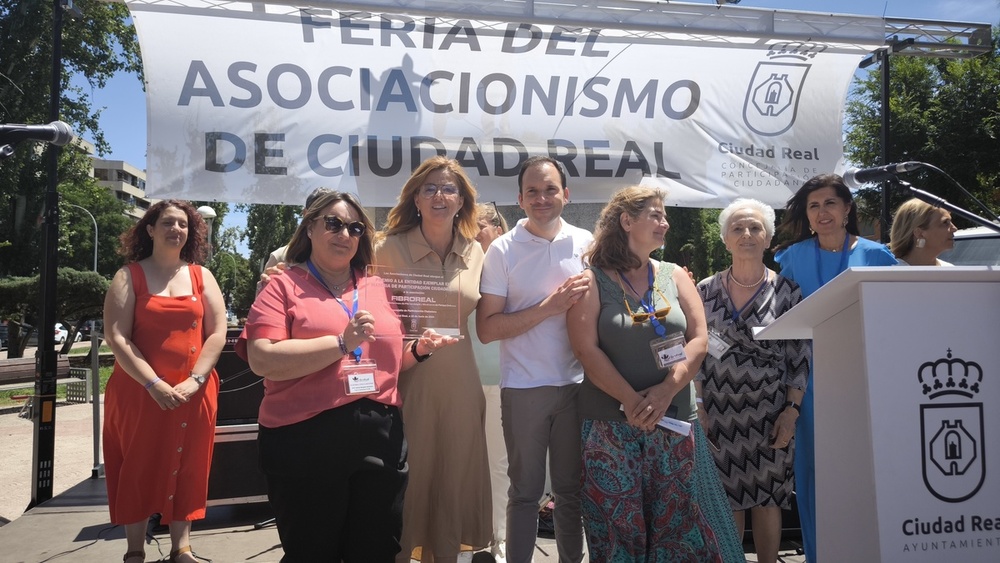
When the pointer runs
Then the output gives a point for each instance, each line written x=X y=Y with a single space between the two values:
x=297 y=305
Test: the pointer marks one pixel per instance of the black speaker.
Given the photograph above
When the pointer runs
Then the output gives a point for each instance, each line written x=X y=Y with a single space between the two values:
x=240 y=389
x=235 y=477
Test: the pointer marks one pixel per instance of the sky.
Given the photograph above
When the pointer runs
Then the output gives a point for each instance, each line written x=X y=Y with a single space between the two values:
x=123 y=119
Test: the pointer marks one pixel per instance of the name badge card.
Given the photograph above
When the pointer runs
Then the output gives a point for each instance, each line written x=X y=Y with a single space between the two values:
x=668 y=350
x=717 y=345
x=359 y=377
x=422 y=298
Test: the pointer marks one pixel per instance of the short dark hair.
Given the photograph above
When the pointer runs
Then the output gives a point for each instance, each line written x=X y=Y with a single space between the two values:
x=536 y=161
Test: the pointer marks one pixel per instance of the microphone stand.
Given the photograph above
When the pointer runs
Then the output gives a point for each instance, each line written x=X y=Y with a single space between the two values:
x=942 y=203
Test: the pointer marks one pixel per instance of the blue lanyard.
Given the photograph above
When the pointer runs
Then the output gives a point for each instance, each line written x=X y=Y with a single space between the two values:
x=356 y=354
x=738 y=312
x=647 y=305
x=843 y=260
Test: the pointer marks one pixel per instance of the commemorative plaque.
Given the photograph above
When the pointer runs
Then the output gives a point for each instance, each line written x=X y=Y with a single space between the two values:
x=423 y=298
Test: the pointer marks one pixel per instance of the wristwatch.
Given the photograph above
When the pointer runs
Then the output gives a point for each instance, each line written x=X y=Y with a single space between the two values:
x=419 y=358
x=199 y=379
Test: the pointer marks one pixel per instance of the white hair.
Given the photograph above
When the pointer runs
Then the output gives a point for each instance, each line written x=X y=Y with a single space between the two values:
x=765 y=210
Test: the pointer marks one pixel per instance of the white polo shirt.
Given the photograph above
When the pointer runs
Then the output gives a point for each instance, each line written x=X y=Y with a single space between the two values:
x=525 y=269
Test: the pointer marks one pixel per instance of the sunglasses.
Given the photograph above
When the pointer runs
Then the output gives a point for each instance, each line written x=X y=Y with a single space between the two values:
x=334 y=225
x=643 y=316
x=496 y=220
x=431 y=190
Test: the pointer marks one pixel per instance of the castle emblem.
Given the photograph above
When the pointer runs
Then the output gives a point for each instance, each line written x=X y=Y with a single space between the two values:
x=952 y=432
x=772 y=99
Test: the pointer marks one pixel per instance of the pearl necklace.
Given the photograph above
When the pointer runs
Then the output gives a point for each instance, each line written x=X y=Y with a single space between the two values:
x=751 y=286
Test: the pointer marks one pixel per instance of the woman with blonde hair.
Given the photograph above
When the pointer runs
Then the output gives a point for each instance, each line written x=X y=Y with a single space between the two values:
x=920 y=232
x=447 y=508
x=639 y=331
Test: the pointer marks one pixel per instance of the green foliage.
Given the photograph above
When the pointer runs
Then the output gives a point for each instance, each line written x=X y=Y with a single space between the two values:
x=6 y=399
x=79 y=298
x=76 y=230
x=693 y=241
x=943 y=112
x=236 y=279
x=96 y=48
x=268 y=227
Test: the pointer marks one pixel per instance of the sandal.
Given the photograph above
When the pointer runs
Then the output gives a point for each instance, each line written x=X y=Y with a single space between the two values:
x=131 y=554
x=178 y=552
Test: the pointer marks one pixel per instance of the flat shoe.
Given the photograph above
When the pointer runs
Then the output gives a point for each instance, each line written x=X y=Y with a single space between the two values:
x=178 y=552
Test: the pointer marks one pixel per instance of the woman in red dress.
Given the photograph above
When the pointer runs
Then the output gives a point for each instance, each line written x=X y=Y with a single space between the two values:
x=165 y=320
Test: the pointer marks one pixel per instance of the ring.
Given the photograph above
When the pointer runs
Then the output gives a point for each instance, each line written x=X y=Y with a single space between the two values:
x=649 y=408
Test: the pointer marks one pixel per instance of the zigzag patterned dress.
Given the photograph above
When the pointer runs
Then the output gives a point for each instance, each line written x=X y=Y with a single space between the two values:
x=744 y=391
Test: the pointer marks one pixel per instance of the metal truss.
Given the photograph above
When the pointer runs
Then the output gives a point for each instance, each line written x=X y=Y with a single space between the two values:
x=656 y=21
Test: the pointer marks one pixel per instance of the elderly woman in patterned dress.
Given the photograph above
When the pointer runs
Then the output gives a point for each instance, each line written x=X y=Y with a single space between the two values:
x=749 y=391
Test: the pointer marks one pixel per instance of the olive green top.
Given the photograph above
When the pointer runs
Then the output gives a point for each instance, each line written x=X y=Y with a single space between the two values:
x=627 y=345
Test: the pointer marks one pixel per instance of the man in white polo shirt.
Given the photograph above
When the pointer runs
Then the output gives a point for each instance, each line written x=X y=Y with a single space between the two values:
x=531 y=276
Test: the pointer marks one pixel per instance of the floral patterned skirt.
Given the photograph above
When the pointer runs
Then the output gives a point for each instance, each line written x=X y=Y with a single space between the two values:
x=638 y=496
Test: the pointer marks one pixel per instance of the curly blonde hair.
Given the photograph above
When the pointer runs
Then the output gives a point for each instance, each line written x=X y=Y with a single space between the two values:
x=610 y=247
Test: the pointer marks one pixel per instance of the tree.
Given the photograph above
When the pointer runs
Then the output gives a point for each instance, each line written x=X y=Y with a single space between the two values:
x=100 y=45
x=693 y=241
x=76 y=230
x=236 y=278
x=269 y=227
x=80 y=299
x=943 y=112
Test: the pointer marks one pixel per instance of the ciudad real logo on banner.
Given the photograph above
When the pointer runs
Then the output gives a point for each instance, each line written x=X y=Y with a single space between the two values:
x=773 y=94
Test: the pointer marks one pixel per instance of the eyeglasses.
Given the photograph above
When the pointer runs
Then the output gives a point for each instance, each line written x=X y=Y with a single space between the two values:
x=643 y=316
x=431 y=190
x=334 y=224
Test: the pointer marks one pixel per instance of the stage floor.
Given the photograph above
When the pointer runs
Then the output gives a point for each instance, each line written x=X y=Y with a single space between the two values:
x=74 y=526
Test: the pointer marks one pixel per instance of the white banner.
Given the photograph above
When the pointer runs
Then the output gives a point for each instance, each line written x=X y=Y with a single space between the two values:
x=263 y=103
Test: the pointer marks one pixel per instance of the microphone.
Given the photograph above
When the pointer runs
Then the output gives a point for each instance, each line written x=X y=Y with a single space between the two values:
x=57 y=133
x=855 y=178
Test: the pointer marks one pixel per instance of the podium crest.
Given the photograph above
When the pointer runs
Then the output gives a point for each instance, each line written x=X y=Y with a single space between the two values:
x=952 y=434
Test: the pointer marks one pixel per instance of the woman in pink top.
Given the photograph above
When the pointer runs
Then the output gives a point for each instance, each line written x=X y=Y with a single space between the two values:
x=331 y=436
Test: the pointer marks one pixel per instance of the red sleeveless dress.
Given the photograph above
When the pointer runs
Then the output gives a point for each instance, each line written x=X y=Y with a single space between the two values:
x=158 y=460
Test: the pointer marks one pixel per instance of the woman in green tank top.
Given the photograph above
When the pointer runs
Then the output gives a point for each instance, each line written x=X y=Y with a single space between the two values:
x=640 y=333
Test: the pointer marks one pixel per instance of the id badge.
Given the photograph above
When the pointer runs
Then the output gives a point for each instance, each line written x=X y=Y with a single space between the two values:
x=717 y=345
x=359 y=377
x=669 y=350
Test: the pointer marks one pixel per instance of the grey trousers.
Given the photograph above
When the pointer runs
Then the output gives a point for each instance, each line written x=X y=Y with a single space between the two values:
x=536 y=422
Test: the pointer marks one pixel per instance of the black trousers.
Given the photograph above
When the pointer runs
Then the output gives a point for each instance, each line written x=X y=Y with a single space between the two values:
x=336 y=483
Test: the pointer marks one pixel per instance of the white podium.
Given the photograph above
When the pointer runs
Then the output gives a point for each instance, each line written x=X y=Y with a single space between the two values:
x=906 y=364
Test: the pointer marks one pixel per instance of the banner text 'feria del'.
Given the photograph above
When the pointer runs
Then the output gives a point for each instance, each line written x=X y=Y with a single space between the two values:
x=263 y=103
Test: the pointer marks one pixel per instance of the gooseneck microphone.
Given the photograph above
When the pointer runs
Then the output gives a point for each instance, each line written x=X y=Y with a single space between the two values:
x=58 y=133
x=855 y=178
